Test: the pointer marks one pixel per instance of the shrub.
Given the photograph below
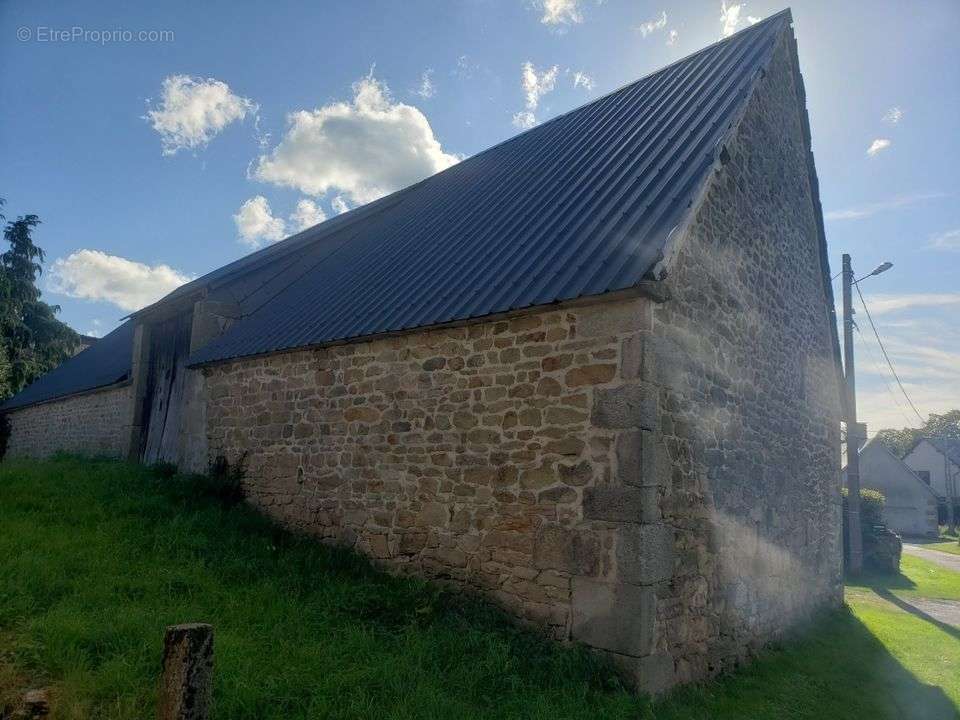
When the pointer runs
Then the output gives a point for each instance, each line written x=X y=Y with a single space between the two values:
x=871 y=508
x=225 y=481
x=881 y=547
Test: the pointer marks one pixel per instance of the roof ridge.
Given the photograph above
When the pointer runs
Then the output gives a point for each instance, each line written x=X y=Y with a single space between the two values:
x=786 y=12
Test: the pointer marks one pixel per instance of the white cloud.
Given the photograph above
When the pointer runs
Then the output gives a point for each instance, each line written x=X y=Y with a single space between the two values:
x=860 y=212
x=581 y=79
x=465 y=68
x=672 y=37
x=362 y=149
x=560 y=12
x=948 y=240
x=923 y=349
x=95 y=275
x=651 y=26
x=193 y=111
x=96 y=328
x=426 y=89
x=535 y=86
x=893 y=115
x=339 y=205
x=729 y=18
x=306 y=215
x=882 y=304
x=256 y=223
x=524 y=120
x=878 y=145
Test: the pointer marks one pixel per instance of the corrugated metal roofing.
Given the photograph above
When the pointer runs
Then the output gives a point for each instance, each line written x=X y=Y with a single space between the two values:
x=104 y=363
x=581 y=205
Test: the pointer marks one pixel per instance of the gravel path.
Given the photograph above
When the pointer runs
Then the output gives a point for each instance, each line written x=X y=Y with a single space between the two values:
x=950 y=562
x=945 y=611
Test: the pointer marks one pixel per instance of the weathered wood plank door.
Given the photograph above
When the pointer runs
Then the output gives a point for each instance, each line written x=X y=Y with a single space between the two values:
x=169 y=348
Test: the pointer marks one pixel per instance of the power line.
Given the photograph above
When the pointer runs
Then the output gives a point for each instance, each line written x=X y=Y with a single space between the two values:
x=887 y=357
x=883 y=376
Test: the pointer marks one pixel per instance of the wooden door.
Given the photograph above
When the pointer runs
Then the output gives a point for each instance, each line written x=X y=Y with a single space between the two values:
x=169 y=349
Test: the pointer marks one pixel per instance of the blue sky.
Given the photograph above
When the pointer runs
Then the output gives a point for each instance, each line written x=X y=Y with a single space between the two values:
x=227 y=125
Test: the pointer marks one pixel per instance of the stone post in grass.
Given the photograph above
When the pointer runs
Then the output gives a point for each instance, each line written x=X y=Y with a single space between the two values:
x=186 y=686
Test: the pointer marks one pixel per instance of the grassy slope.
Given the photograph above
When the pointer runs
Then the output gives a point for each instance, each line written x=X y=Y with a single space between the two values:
x=96 y=558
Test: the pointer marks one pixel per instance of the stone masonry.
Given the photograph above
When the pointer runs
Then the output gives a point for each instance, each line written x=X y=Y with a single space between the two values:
x=95 y=423
x=749 y=398
x=481 y=454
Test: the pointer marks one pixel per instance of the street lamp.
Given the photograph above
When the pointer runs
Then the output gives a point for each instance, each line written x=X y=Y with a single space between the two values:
x=855 y=430
x=882 y=268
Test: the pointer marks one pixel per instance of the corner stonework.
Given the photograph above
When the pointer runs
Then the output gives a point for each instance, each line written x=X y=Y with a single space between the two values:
x=617 y=613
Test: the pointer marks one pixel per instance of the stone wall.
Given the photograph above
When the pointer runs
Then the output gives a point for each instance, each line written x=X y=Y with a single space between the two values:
x=479 y=454
x=659 y=481
x=749 y=399
x=95 y=423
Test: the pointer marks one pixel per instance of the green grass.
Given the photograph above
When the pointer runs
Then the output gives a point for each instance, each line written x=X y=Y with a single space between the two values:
x=919 y=578
x=951 y=546
x=96 y=558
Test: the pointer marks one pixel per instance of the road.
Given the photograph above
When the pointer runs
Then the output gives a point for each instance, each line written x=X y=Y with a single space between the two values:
x=945 y=611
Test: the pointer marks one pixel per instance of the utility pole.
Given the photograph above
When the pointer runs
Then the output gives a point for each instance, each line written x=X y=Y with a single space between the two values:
x=949 y=489
x=853 y=428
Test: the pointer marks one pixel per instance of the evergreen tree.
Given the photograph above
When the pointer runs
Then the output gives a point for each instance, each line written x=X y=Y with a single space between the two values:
x=32 y=339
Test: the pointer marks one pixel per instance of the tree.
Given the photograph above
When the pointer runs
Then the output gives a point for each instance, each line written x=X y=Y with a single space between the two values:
x=32 y=339
x=899 y=442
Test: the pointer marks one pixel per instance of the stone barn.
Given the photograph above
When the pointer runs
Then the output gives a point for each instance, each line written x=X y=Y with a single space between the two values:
x=590 y=373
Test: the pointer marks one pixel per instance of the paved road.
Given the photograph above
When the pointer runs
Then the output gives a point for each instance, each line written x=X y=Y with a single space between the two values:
x=945 y=611
x=950 y=562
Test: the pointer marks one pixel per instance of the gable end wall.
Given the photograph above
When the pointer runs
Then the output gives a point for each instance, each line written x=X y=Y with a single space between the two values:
x=750 y=411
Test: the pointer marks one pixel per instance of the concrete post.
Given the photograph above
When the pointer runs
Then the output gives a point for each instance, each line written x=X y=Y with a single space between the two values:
x=186 y=686
x=855 y=564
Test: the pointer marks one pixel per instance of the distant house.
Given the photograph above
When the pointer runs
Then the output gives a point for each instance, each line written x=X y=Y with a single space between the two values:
x=911 y=505
x=935 y=461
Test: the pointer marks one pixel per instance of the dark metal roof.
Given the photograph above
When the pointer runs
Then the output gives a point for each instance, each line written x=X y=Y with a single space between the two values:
x=581 y=205
x=104 y=363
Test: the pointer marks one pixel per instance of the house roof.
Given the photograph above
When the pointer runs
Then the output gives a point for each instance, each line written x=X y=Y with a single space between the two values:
x=874 y=445
x=106 y=362
x=945 y=446
x=581 y=205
